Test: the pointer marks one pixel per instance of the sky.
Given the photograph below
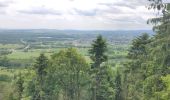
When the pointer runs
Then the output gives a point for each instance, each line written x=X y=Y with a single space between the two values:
x=75 y=14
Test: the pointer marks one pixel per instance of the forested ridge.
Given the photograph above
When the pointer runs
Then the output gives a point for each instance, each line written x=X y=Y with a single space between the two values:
x=69 y=75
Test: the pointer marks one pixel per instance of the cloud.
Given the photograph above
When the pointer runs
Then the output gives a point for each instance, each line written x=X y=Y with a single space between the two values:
x=5 y=3
x=4 y=6
x=75 y=14
x=127 y=12
x=129 y=19
x=85 y=12
x=113 y=10
x=40 y=11
x=2 y=12
x=128 y=5
x=132 y=4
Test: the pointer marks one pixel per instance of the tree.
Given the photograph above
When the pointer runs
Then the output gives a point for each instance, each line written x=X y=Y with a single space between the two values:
x=159 y=53
x=135 y=70
x=138 y=47
x=149 y=59
x=98 y=56
x=161 y=39
x=19 y=86
x=40 y=67
x=40 y=70
x=118 y=86
x=69 y=69
x=98 y=52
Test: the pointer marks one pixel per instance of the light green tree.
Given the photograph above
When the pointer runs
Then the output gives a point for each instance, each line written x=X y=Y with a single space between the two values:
x=69 y=69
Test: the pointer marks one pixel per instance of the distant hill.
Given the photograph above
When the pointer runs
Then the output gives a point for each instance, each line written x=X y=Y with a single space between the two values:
x=15 y=36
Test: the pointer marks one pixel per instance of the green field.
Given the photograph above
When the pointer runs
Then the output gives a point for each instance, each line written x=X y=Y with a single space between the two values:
x=11 y=46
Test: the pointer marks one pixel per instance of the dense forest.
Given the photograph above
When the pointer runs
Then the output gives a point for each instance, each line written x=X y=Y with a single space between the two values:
x=143 y=73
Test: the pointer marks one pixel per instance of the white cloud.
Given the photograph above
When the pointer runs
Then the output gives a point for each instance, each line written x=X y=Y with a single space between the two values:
x=74 y=14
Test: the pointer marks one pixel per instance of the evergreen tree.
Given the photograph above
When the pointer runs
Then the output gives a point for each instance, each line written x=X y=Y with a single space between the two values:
x=134 y=71
x=38 y=84
x=138 y=48
x=149 y=59
x=19 y=86
x=40 y=67
x=118 y=86
x=98 y=52
x=99 y=71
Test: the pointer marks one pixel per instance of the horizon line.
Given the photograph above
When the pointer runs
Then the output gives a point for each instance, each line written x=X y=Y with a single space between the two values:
x=74 y=29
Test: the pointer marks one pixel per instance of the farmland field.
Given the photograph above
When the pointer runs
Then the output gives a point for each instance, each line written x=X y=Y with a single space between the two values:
x=21 y=47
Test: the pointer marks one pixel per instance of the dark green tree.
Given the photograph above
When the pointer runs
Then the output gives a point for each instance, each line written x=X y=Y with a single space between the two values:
x=98 y=56
x=149 y=59
x=138 y=48
x=38 y=87
x=40 y=67
x=118 y=87
x=19 y=86
x=134 y=72
x=98 y=52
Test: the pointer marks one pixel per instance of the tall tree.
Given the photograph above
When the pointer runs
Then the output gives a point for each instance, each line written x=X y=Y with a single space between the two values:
x=40 y=70
x=118 y=86
x=98 y=52
x=98 y=56
x=150 y=59
x=19 y=86
x=134 y=71
x=159 y=52
x=40 y=67
x=138 y=47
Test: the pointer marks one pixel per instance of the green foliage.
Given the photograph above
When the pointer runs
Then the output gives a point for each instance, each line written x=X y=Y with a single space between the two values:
x=98 y=51
x=139 y=46
x=19 y=86
x=69 y=69
x=101 y=80
x=149 y=62
x=37 y=87
x=4 y=61
x=40 y=66
x=118 y=87
x=165 y=94
x=134 y=74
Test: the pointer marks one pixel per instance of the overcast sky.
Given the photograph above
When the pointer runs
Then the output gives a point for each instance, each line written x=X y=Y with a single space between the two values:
x=75 y=14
